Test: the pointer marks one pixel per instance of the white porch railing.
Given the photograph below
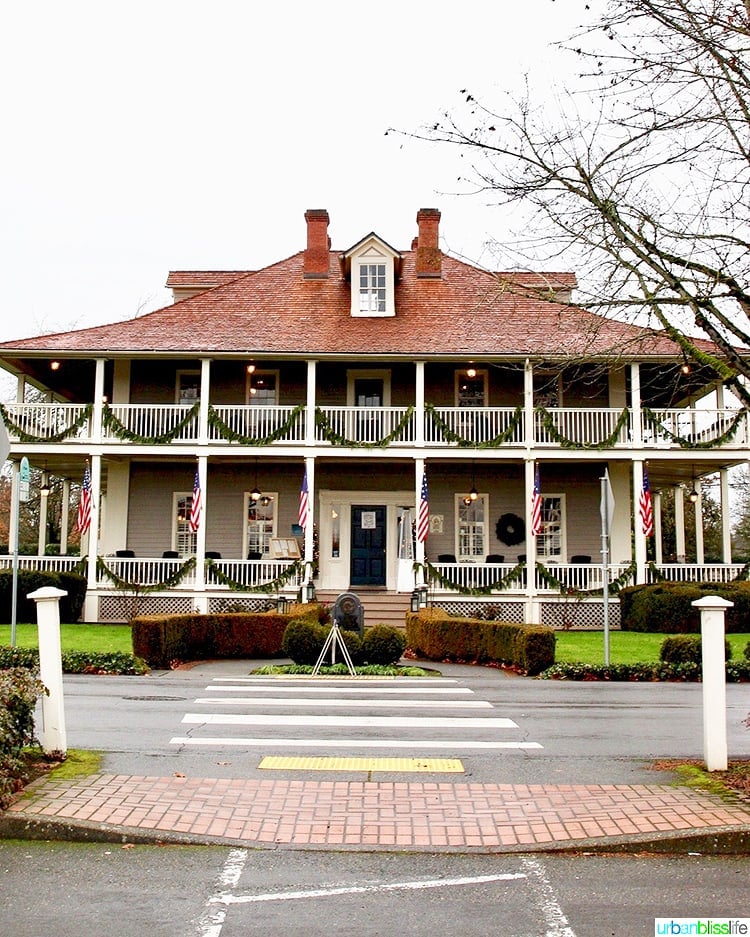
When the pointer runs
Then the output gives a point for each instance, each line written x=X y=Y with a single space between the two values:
x=275 y=424
x=50 y=423
x=152 y=421
x=584 y=427
x=47 y=564
x=696 y=572
x=451 y=425
x=579 y=577
x=148 y=571
x=364 y=425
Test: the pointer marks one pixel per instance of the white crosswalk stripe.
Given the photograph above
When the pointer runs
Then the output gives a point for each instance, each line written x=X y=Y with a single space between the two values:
x=348 y=713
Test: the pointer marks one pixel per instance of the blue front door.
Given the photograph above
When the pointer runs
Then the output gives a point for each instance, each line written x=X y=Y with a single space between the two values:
x=368 y=545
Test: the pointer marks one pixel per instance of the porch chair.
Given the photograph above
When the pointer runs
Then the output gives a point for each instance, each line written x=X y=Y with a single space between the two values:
x=213 y=555
x=446 y=558
x=170 y=555
x=254 y=555
x=494 y=558
x=125 y=554
x=580 y=558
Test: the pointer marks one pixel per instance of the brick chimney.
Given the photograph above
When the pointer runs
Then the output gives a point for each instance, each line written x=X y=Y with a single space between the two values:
x=318 y=244
x=429 y=256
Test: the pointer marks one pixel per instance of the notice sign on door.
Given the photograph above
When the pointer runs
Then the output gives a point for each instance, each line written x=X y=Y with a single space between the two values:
x=368 y=520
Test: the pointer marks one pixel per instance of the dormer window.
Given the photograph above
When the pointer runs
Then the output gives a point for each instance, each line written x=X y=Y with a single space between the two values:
x=372 y=289
x=372 y=266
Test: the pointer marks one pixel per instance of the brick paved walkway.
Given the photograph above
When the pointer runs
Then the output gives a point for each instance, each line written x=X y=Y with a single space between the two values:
x=365 y=814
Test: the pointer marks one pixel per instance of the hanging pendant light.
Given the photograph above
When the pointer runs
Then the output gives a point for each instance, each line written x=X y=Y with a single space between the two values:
x=256 y=492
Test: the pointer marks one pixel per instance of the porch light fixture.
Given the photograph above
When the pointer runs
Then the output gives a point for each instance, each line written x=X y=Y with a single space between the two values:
x=281 y=604
x=309 y=591
x=693 y=495
x=250 y=369
x=471 y=371
x=473 y=494
x=54 y=365
x=467 y=500
x=45 y=487
x=685 y=366
x=415 y=601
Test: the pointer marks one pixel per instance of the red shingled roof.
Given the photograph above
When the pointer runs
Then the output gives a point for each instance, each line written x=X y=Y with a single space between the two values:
x=276 y=311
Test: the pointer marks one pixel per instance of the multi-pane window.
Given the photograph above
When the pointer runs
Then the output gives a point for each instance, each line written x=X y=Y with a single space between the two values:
x=261 y=523
x=472 y=527
x=262 y=389
x=184 y=539
x=372 y=289
x=549 y=543
x=471 y=390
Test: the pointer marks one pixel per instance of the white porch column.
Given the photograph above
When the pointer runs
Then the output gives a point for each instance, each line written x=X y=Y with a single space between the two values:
x=310 y=415
x=14 y=505
x=528 y=404
x=658 y=549
x=419 y=408
x=20 y=389
x=635 y=406
x=699 y=555
x=90 y=540
x=201 y=601
x=96 y=428
x=679 y=523
x=419 y=469
x=309 y=532
x=64 y=517
x=726 y=520
x=205 y=400
x=639 y=539
x=43 y=511
x=532 y=605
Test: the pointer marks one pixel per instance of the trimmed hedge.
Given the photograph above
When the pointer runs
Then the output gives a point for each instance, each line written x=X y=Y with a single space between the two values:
x=19 y=691
x=304 y=640
x=686 y=649
x=100 y=662
x=434 y=635
x=666 y=606
x=29 y=580
x=163 y=640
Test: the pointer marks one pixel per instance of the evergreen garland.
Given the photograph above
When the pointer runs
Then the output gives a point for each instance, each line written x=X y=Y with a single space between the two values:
x=431 y=574
x=226 y=432
x=549 y=427
x=169 y=583
x=274 y=585
x=321 y=421
x=655 y=423
x=71 y=430
x=115 y=426
x=450 y=436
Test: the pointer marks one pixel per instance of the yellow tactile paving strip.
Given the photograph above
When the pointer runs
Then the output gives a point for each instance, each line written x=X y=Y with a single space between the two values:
x=308 y=763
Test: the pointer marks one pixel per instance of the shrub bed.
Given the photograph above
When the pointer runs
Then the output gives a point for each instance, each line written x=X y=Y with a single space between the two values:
x=431 y=633
x=686 y=649
x=19 y=690
x=737 y=672
x=304 y=640
x=667 y=606
x=29 y=580
x=99 y=662
x=164 y=640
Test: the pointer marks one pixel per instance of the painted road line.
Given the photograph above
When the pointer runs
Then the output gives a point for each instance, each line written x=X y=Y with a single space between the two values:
x=274 y=742
x=365 y=722
x=406 y=691
x=364 y=889
x=323 y=763
x=372 y=703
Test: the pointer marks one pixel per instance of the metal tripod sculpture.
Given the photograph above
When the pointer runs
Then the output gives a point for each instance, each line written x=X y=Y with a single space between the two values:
x=333 y=640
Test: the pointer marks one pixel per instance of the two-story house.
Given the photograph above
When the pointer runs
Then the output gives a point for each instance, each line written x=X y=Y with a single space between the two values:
x=311 y=401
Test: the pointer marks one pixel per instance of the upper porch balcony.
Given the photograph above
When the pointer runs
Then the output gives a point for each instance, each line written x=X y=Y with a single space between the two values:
x=600 y=428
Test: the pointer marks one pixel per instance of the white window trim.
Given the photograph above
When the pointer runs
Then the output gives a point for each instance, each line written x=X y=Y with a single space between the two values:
x=177 y=496
x=562 y=557
x=372 y=253
x=274 y=496
x=352 y=376
x=260 y=372
x=482 y=375
x=458 y=503
x=178 y=384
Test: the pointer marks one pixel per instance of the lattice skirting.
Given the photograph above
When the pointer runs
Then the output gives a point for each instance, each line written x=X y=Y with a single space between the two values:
x=219 y=606
x=582 y=615
x=118 y=608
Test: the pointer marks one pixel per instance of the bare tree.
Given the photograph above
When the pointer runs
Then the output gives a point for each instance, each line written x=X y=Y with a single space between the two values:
x=640 y=173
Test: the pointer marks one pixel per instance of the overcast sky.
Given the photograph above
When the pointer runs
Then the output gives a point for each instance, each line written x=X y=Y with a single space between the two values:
x=171 y=134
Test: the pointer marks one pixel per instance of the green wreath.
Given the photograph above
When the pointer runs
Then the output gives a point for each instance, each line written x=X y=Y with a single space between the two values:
x=510 y=529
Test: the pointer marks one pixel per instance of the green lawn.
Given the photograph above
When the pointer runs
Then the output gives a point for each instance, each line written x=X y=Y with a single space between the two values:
x=97 y=638
x=625 y=647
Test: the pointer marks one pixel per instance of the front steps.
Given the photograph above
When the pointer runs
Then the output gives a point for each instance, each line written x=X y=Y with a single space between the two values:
x=381 y=607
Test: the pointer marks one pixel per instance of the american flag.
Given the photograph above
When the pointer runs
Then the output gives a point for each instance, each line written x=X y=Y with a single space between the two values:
x=195 y=505
x=536 y=507
x=83 y=522
x=304 y=502
x=645 y=507
x=423 y=517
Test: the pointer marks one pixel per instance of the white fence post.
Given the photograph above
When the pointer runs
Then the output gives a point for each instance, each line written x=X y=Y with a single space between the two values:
x=52 y=737
x=712 y=609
